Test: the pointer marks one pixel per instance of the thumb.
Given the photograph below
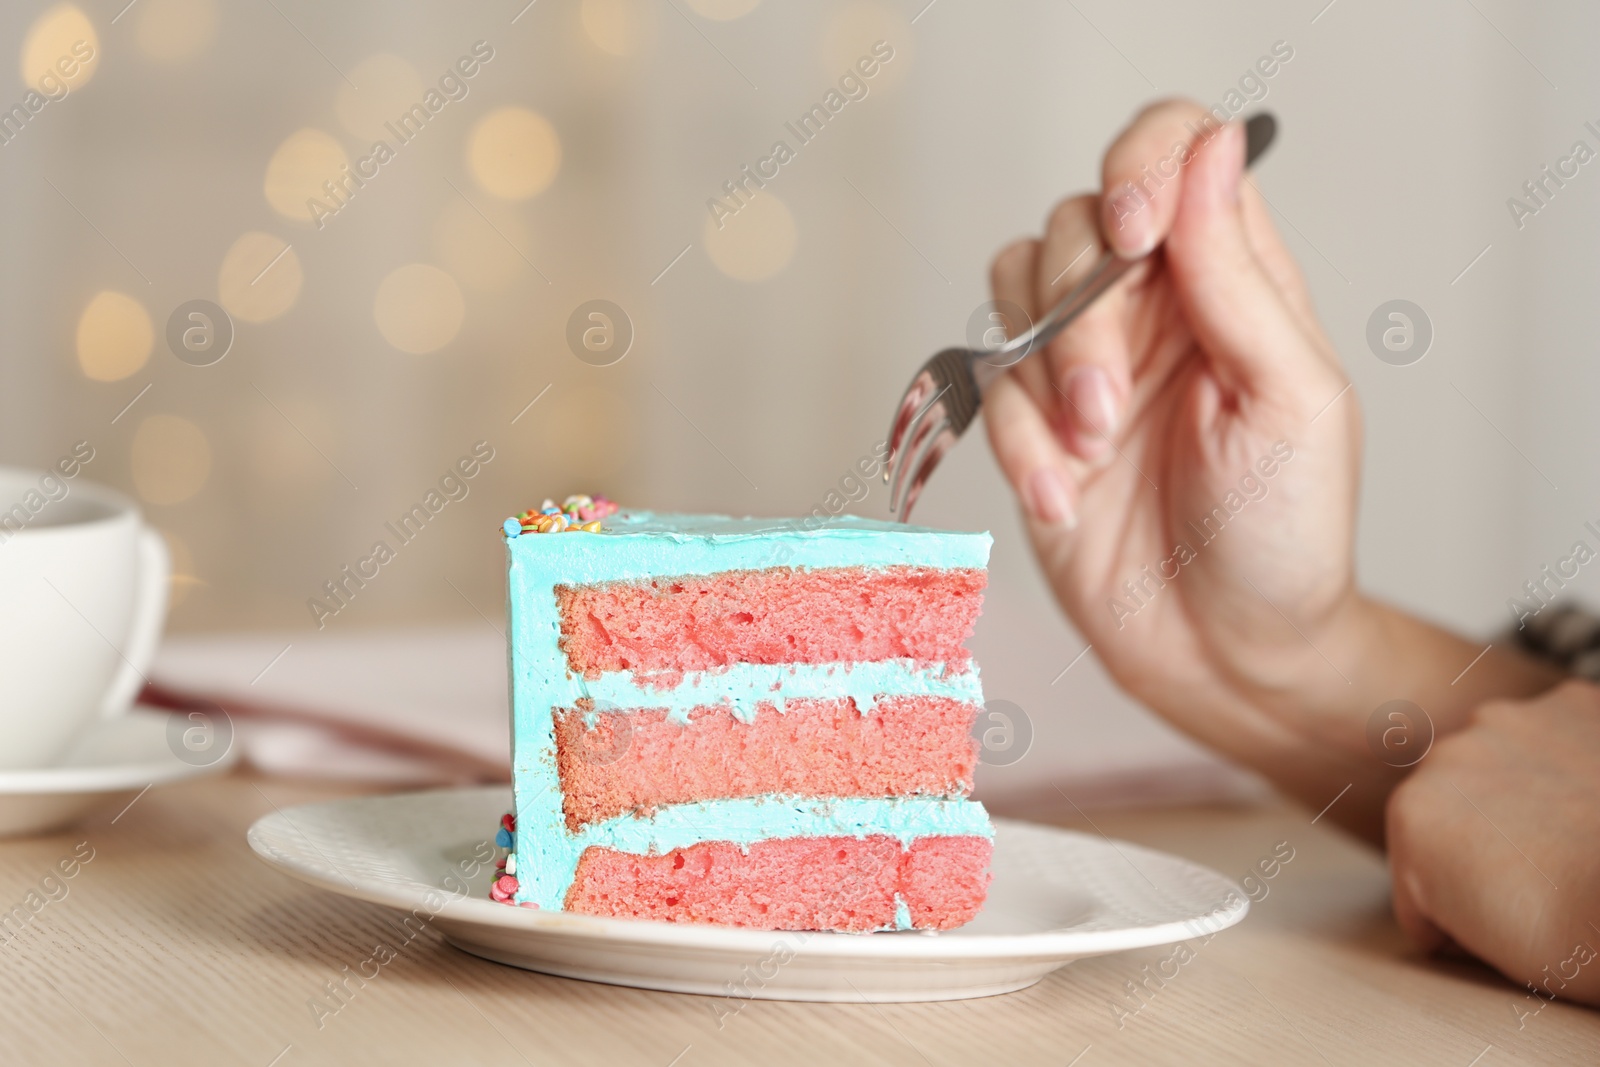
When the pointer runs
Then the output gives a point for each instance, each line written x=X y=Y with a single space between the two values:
x=1239 y=316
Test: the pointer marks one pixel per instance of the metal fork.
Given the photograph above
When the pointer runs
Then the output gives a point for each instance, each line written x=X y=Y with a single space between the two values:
x=945 y=395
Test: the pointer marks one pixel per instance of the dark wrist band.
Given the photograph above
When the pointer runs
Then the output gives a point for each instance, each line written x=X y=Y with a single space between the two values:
x=1564 y=635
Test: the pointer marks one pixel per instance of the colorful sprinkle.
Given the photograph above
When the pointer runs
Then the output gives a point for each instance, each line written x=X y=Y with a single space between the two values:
x=579 y=513
x=505 y=883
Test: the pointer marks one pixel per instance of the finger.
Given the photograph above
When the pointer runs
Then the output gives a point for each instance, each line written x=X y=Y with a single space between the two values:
x=1012 y=281
x=1237 y=313
x=1404 y=824
x=1270 y=251
x=1438 y=867
x=1071 y=247
x=1142 y=174
x=1029 y=454
x=1089 y=360
x=1410 y=906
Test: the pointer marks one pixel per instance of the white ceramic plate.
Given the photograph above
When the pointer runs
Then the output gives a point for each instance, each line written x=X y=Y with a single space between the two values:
x=114 y=760
x=1057 y=896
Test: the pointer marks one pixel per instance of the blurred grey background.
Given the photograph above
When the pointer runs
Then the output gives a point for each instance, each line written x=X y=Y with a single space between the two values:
x=374 y=346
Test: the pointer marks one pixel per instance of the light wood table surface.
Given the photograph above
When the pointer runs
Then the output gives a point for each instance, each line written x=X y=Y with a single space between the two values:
x=174 y=945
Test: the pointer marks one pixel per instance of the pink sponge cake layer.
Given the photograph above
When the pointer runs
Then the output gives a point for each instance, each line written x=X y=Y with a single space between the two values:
x=944 y=880
x=796 y=883
x=780 y=615
x=635 y=761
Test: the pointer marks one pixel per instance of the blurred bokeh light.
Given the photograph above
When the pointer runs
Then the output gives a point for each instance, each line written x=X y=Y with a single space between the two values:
x=619 y=27
x=586 y=434
x=283 y=439
x=754 y=244
x=61 y=47
x=380 y=89
x=171 y=459
x=419 y=308
x=722 y=10
x=514 y=153
x=300 y=170
x=115 y=336
x=260 y=277
x=850 y=34
x=183 y=579
x=170 y=31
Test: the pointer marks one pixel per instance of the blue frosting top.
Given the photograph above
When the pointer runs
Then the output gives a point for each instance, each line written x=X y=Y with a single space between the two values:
x=656 y=545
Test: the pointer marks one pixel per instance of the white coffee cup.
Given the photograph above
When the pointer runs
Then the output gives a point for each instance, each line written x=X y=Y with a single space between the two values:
x=83 y=595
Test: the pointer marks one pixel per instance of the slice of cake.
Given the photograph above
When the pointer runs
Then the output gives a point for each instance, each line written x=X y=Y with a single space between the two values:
x=744 y=721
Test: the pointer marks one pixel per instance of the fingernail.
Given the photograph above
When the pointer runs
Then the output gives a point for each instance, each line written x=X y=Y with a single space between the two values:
x=1095 y=410
x=1128 y=224
x=1048 y=500
x=1234 y=143
x=1414 y=887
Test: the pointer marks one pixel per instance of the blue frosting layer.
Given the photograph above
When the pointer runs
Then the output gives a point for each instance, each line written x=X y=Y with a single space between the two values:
x=744 y=686
x=639 y=545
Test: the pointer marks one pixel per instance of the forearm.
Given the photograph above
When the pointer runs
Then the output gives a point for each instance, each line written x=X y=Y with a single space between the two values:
x=1393 y=655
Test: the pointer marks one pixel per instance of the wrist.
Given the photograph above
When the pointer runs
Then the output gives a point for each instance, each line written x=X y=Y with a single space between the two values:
x=1369 y=653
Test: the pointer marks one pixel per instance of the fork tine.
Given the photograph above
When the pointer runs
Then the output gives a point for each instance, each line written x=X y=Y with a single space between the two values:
x=910 y=406
x=936 y=452
x=933 y=449
x=913 y=407
x=920 y=463
x=894 y=470
x=910 y=438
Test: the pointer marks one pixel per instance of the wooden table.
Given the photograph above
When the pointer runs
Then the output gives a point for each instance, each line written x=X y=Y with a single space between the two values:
x=174 y=945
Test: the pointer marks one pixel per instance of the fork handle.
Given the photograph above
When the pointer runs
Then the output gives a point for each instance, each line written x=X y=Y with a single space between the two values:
x=1259 y=132
x=1104 y=275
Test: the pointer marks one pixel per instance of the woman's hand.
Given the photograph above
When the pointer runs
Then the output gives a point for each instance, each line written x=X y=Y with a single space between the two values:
x=1187 y=455
x=1494 y=841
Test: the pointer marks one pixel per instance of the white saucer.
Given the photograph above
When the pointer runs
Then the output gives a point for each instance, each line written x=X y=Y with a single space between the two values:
x=1057 y=896
x=117 y=758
